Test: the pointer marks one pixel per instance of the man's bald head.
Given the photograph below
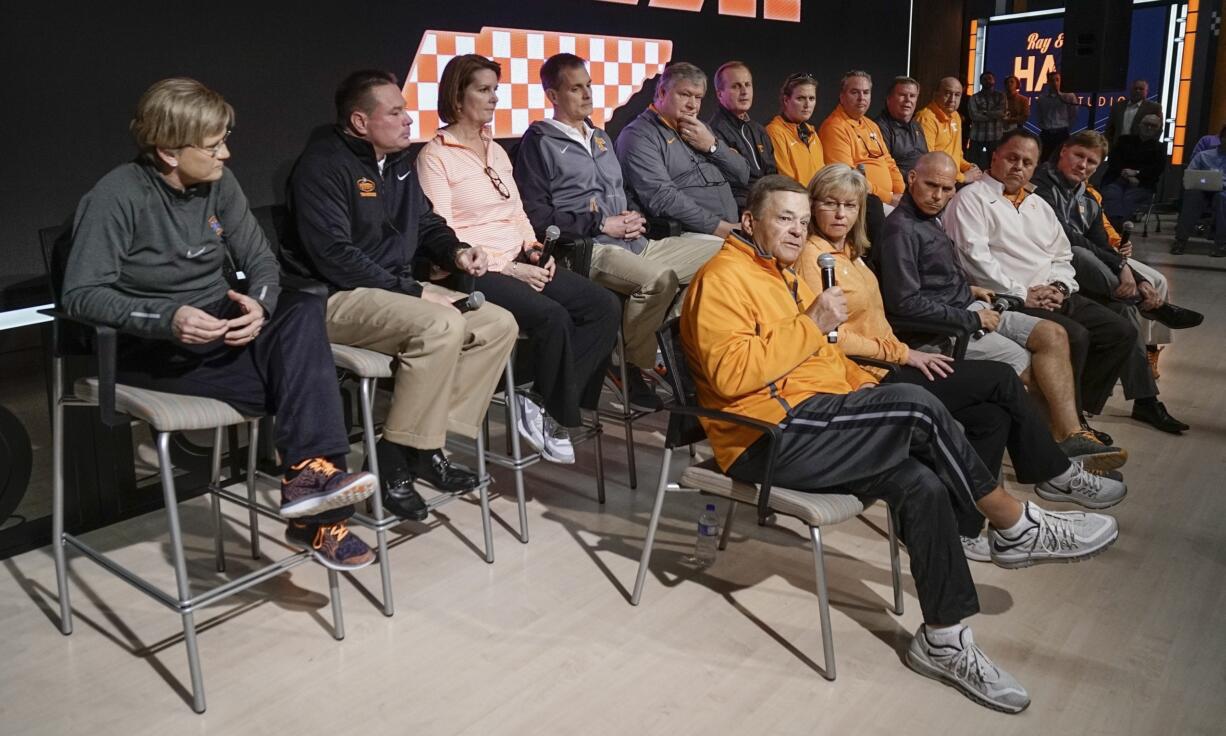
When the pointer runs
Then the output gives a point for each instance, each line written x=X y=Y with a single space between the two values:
x=948 y=94
x=932 y=182
x=937 y=163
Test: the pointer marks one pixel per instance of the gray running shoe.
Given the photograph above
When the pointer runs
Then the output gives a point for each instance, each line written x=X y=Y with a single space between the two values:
x=977 y=548
x=1084 y=446
x=1084 y=489
x=968 y=669
x=1054 y=536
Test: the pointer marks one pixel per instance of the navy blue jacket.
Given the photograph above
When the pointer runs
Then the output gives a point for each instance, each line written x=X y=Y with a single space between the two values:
x=921 y=276
x=352 y=226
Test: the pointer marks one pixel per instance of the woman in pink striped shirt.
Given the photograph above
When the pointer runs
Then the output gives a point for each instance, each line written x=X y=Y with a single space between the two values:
x=571 y=322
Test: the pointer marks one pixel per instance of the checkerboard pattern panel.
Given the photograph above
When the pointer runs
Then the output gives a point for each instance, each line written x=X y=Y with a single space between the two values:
x=619 y=66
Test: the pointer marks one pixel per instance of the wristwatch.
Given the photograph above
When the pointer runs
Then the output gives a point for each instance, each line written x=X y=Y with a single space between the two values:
x=1061 y=287
x=714 y=146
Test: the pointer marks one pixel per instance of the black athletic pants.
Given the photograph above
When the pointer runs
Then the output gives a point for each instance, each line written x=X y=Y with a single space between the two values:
x=897 y=444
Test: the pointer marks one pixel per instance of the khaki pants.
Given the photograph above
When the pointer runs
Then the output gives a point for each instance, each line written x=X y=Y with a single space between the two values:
x=448 y=363
x=651 y=280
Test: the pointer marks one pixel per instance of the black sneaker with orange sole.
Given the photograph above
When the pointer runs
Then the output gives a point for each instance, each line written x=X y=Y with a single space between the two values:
x=332 y=545
x=320 y=486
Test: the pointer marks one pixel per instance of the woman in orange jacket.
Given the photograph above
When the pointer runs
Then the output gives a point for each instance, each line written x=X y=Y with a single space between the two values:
x=798 y=149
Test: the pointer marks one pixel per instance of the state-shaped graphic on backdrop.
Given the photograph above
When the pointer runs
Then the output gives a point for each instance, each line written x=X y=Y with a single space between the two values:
x=619 y=66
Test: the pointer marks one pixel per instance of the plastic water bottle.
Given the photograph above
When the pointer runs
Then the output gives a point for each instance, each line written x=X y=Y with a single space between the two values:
x=707 y=541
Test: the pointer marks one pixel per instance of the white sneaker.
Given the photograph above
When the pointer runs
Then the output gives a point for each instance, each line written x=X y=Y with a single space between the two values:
x=977 y=548
x=558 y=448
x=1084 y=489
x=1054 y=536
x=967 y=668
x=531 y=422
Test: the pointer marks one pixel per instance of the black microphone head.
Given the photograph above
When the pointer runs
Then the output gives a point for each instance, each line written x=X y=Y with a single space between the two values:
x=552 y=233
x=825 y=260
x=1128 y=226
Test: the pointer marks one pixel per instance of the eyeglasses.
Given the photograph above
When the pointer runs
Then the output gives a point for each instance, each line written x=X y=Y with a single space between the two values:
x=829 y=205
x=497 y=182
x=214 y=149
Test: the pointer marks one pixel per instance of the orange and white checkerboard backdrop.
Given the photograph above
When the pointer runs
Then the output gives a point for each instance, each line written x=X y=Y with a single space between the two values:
x=619 y=66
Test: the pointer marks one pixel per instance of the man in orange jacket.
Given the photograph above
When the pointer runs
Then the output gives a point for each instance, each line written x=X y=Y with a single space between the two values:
x=850 y=137
x=942 y=126
x=759 y=344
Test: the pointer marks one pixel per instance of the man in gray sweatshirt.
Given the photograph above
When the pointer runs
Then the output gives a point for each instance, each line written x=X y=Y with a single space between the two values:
x=569 y=176
x=166 y=250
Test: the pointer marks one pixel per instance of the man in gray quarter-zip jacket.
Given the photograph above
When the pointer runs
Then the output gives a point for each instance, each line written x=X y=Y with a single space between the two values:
x=731 y=124
x=569 y=176
x=675 y=167
x=151 y=243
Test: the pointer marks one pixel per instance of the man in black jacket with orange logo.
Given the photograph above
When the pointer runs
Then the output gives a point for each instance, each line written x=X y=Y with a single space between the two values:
x=360 y=220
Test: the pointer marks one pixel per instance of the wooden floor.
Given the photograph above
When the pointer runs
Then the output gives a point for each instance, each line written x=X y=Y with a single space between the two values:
x=544 y=641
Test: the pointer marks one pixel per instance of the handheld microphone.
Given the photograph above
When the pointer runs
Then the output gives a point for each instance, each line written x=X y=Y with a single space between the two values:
x=1126 y=232
x=552 y=233
x=1000 y=306
x=470 y=303
x=826 y=262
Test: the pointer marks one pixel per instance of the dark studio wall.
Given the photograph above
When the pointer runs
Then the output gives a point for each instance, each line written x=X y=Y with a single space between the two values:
x=73 y=72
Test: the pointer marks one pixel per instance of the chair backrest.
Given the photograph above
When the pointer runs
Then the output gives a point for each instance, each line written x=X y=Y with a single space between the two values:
x=682 y=429
x=55 y=242
x=273 y=219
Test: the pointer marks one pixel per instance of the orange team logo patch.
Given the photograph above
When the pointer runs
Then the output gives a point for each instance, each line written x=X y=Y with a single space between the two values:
x=600 y=144
x=619 y=67
x=366 y=188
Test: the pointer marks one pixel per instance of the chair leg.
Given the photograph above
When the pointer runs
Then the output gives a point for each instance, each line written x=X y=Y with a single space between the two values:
x=484 y=494
x=823 y=602
x=367 y=397
x=334 y=592
x=57 y=495
x=180 y=565
x=645 y=560
x=516 y=452
x=723 y=538
x=215 y=485
x=599 y=460
x=895 y=567
x=627 y=412
x=253 y=518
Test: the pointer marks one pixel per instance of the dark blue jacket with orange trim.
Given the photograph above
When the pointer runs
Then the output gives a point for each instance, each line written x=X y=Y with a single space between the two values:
x=355 y=226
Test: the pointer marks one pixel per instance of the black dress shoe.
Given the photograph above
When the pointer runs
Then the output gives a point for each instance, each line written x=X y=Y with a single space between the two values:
x=1177 y=318
x=396 y=478
x=404 y=501
x=432 y=468
x=1154 y=414
x=1102 y=437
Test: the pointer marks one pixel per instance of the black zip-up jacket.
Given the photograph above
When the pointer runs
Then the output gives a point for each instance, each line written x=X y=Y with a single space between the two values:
x=905 y=140
x=921 y=276
x=1079 y=214
x=352 y=226
x=748 y=138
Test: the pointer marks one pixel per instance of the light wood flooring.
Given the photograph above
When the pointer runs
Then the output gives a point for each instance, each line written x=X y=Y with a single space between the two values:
x=544 y=641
